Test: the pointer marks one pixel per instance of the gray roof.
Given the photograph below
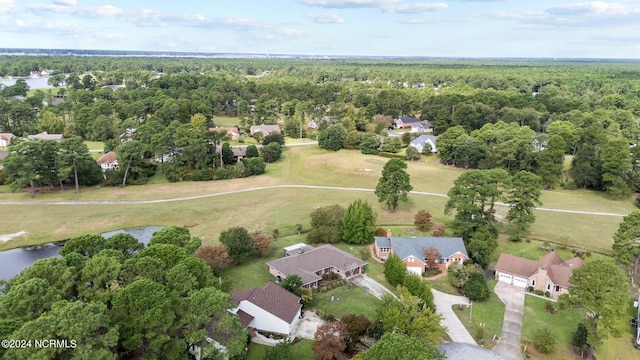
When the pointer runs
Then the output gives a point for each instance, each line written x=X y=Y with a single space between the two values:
x=422 y=139
x=406 y=246
x=44 y=136
x=409 y=120
x=306 y=264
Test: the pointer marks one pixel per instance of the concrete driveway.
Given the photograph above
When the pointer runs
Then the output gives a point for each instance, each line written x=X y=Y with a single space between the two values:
x=371 y=286
x=307 y=326
x=455 y=329
x=513 y=297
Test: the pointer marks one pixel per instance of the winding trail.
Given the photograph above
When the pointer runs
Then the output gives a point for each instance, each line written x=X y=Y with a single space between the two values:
x=260 y=188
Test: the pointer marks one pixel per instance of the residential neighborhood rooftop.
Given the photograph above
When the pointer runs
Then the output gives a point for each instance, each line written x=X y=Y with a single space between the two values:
x=272 y=298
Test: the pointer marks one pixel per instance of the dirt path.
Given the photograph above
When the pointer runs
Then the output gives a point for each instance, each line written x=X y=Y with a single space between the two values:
x=291 y=186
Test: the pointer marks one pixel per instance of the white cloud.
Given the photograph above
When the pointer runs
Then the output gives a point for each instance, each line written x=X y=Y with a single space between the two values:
x=66 y=2
x=417 y=8
x=349 y=4
x=584 y=15
x=81 y=11
x=7 y=7
x=325 y=18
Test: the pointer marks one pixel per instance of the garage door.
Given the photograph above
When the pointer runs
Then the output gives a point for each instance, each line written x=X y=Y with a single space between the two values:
x=415 y=270
x=505 y=278
x=519 y=282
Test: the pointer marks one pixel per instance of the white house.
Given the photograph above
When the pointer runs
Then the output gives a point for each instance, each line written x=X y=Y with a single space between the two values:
x=420 y=143
x=272 y=309
x=108 y=161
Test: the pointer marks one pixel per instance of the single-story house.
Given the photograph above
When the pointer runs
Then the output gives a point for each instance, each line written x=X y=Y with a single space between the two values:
x=233 y=132
x=108 y=161
x=264 y=129
x=550 y=273
x=421 y=142
x=44 y=136
x=5 y=139
x=421 y=127
x=405 y=122
x=271 y=309
x=411 y=251
x=310 y=263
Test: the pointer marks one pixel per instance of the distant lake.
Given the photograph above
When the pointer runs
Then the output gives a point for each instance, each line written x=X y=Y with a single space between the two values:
x=15 y=260
x=34 y=83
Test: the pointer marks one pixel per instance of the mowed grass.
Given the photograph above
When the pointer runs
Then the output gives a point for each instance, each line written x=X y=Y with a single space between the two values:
x=301 y=350
x=226 y=121
x=562 y=324
x=285 y=207
x=95 y=145
x=489 y=313
x=348 y=299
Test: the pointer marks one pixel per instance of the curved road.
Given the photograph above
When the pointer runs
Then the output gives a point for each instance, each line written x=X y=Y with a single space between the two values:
x=291 y=186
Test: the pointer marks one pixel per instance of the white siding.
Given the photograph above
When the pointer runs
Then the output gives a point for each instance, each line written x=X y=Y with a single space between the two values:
x=263 y=320
x=520 y=282
x=415 y=270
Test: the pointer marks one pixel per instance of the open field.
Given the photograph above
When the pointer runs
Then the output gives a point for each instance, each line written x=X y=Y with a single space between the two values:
x=226 y=121
x=283 y=208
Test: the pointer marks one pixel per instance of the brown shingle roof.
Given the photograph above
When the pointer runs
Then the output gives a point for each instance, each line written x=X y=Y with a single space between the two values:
x=558 y=271
x=516 y=265
x=245 y=319
x=272 y=299
x=108 y=158
x=317 y=259
x=7 y=136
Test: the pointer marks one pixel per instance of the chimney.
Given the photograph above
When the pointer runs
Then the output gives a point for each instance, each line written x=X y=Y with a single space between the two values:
x=389 y=234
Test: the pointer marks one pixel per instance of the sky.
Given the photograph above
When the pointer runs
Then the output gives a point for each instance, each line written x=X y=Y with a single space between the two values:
x=439 y=28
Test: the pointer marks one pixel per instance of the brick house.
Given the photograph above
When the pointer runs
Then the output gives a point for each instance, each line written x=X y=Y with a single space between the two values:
x=550 y=273
x=411 y=251
x=310 y=263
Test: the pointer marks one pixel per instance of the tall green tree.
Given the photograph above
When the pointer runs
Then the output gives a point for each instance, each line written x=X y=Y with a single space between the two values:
x=369 y=144
x=326 y=224
x=551 y=162
x=131 y=157
x=394 y=270
x=626 y=242
x=332 y=138
x=74 y=157
x=601 y=288
x=359 y=223
x=473 y=197
x=394 y=185
x=176 y=235
x=523 y=195
x=239 y=242
x=616 y=167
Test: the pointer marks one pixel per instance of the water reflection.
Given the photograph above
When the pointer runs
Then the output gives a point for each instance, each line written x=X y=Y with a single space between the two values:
x=13 y=261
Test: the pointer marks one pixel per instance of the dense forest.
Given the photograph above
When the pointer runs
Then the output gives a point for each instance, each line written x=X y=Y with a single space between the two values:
x=488 y=112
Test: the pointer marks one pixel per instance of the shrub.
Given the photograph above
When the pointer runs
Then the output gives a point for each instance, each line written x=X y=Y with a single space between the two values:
x=480 y=334
x=549 y=306
x=381 y=232
x=476 y=288
x=547 y=294
x=422 y=220
x=538 y=292
x=438 y=229
x=394 y=270
x=544 y=340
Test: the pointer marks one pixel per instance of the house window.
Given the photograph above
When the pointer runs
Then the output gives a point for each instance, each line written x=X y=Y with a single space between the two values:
x=557 y=288
x=548 y=287
x=441 y=261
x=410 y=259
x=533 y=283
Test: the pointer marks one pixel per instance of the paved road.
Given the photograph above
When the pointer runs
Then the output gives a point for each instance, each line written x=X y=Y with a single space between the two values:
x=290 y=186
x=513 y=297
x=371 y=286
x=444 y=302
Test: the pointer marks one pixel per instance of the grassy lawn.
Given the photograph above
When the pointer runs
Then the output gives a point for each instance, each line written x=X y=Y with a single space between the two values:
x=442 y=284
x=563 y=324
x=226 y=120
x=621 y=348
x=283 y=208
x=301 y=350
x=490 y=313
x=348 y=299
x=95 y=145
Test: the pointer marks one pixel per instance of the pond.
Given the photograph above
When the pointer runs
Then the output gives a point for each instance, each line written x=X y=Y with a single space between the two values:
x=13 y=261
